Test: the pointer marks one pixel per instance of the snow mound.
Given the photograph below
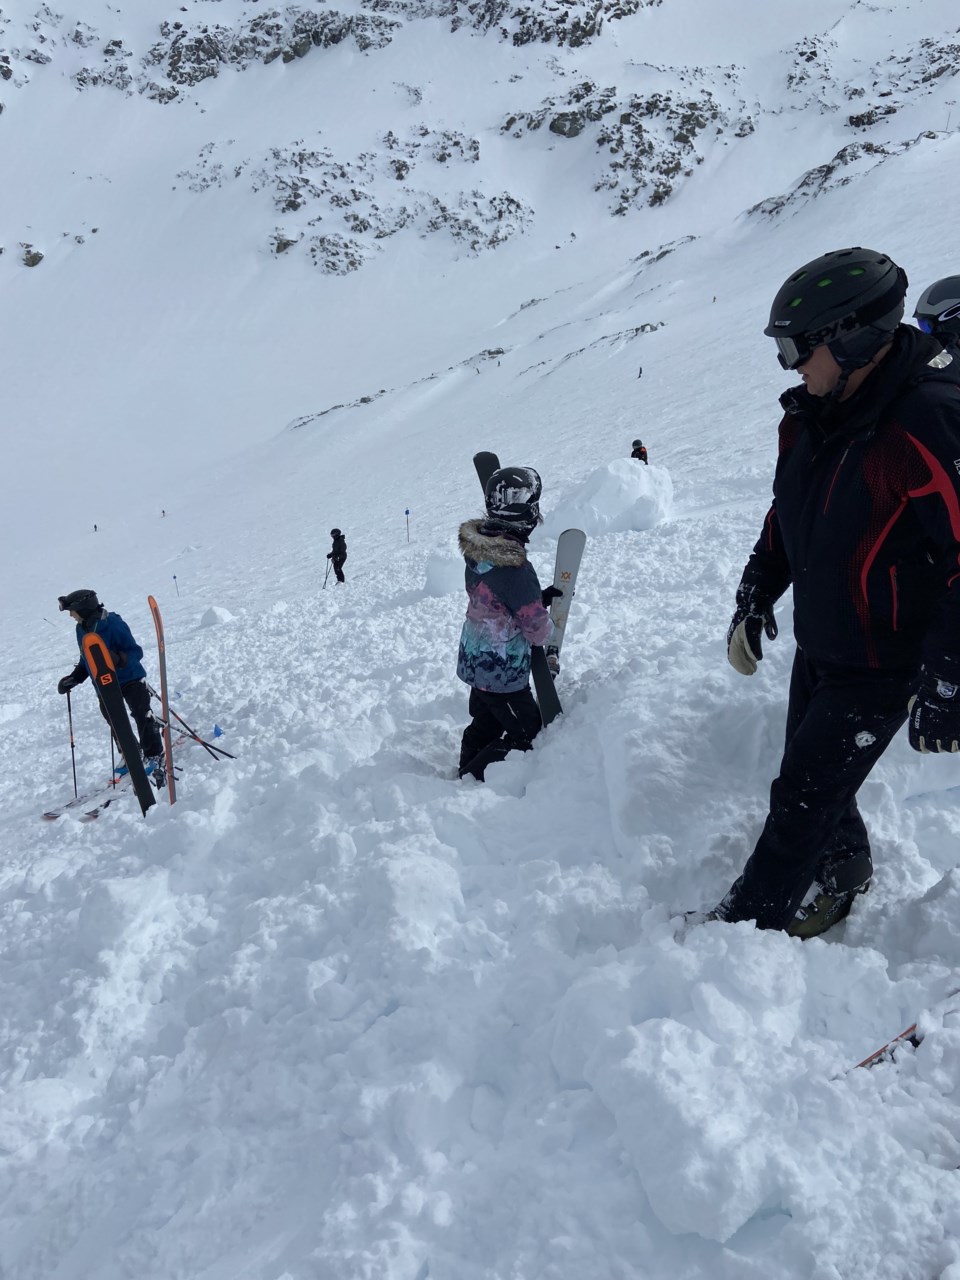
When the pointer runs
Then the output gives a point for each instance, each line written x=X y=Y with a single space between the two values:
x=621 y=496
x=215 y=615
x=443 y=575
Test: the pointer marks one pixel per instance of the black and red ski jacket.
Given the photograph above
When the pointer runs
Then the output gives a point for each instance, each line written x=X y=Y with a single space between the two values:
x=865 y=521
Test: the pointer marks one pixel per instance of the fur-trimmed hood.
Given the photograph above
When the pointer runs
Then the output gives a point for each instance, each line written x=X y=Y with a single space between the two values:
x=480 y=540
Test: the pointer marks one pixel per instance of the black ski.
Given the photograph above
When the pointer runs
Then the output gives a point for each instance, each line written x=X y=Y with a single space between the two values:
x=101 y=668
x=486 y=464
x=164 y=701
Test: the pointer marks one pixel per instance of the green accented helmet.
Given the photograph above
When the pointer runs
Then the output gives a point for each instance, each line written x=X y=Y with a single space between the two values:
x=849 y=300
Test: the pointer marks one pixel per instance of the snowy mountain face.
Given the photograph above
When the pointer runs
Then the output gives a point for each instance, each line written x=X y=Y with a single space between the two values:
x=271 y=270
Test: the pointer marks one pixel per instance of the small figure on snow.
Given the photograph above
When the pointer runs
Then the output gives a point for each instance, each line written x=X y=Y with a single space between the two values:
x=506 y=614
x=938 y=312
x=640 y=452
x=864 y=525
x=339 y=554
x=90 y=615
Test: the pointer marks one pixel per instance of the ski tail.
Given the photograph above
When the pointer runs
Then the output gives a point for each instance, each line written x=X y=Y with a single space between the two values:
x=164 y=701
x=101 y=668
x=570 y=546
x=486 y=464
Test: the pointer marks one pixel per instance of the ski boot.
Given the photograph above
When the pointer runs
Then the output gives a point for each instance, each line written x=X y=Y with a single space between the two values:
x=831 y=896
x=156 y=767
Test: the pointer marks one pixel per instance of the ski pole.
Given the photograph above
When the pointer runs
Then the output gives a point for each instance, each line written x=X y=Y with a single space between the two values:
x=113 y=762
x=73 y=749
x=214 y=751
x=326 y=575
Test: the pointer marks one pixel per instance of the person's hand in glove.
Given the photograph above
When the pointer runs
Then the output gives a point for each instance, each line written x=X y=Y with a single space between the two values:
x=753 y=616
x=68 y=682
x=934 y=715
x=548 y=594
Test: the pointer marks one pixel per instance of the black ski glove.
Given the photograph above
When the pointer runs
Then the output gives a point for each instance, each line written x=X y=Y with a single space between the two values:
x=548 y=594
x=329 y=555
x=934 y=715
x=753 y=615
x=72 y=680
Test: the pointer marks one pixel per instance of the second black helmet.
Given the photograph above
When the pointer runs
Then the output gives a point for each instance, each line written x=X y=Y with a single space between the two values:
x=512 y=496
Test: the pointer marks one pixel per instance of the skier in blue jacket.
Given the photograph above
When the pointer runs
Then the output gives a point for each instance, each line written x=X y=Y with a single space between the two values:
x=90 y=616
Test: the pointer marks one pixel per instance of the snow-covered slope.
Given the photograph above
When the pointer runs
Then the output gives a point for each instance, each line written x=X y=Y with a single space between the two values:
x=337 y=1014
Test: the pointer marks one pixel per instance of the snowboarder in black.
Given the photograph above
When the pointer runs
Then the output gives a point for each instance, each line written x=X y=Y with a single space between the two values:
x=640 y=452
x=938 y=312
x=339 y=554
x=865 y=526
x=506 y=614
x=90 y=615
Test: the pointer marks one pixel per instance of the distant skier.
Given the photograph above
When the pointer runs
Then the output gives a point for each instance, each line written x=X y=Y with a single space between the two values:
x=94 y=528
x=339 y=554
x=938 y=312
x=640 y=452
x=506 y=614
x=90 y=616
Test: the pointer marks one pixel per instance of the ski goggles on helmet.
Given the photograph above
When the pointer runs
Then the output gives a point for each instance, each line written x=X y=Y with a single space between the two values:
x=793 y=352
x=930 y=324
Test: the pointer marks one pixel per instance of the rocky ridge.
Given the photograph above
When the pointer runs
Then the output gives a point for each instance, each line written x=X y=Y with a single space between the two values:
x=337 y=211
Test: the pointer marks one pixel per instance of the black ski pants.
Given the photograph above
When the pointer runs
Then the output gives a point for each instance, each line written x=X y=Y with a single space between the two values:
x=137 y=697
x=839 y=723
x=338 y=563
x=502 y=722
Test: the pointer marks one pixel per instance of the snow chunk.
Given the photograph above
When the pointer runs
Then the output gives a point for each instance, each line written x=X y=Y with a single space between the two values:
x=215 y=615
x=623 y=495
x=444 y=575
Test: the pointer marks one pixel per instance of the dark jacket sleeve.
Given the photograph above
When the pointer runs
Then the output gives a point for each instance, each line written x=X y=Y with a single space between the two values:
x=935 y=500
x=767 y=572
x=80 y=672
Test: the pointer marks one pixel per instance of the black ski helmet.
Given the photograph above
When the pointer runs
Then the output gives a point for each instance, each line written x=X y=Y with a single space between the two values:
x=938 y=311
x=335 y=533
x=850 y=300
x=84 y=602
x=638 y=444
x=512 y=497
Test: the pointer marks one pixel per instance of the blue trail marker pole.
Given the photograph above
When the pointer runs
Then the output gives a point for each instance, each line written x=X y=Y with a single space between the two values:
x=407 y=514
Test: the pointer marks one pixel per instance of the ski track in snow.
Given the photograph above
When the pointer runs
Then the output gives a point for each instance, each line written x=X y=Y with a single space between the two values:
x=338 y=1015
